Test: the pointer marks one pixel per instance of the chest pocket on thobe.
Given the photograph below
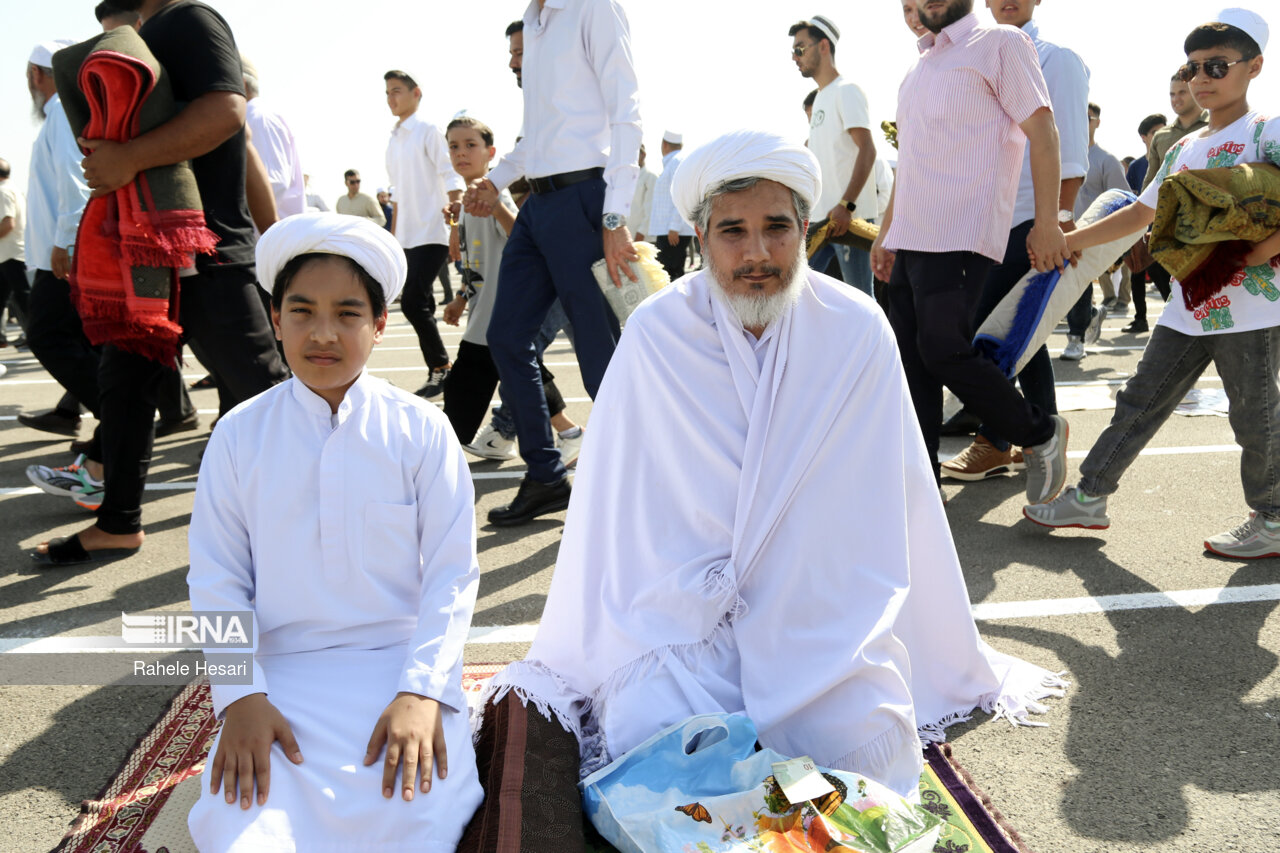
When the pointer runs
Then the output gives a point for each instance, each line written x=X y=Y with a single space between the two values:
x=391 y=546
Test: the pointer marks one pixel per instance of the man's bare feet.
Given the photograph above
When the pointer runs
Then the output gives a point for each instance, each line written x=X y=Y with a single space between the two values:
x=95 y=539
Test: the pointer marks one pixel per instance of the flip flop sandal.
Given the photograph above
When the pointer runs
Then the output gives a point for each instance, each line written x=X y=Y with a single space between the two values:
x=67 y=551
x=207 y=382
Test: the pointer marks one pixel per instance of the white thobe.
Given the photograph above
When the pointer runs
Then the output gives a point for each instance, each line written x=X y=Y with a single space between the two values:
x=351 y=537
x=790 y=559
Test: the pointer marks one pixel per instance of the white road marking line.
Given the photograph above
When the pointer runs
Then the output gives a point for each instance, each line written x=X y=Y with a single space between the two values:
x=1131 y=601
x=485 y=635
x=517 y=473
x=986 y=612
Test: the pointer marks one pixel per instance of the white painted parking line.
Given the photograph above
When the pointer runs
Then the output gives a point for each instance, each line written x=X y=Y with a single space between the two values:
x=986 y=612
x=483 y=635
x=1132 y=601
x=517 y=473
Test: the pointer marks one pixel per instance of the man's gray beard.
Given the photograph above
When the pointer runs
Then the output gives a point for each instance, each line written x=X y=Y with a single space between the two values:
x=755 y=311
x=37 y=107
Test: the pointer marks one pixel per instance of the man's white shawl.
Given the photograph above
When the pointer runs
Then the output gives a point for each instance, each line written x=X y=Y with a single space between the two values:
x=791 y=504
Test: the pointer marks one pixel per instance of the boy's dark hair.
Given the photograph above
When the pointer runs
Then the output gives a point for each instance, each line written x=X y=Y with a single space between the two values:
x=515 y=27
x=106 y=10
x=4 y=168
x=1094 y=109
x=377 y=299
x=814 y=33
x=810 y=98
x=1207 y=36
x=402 y=76
x=1152 y=121
x=350 y=173
x=475 y=124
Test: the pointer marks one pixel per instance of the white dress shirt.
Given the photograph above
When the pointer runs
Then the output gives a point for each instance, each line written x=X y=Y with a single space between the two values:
x=1067 y=77
x=274 y=142
x=581 y=104
x=419 y=166
x=56 y=191
x=351 y=538
x=642 y=201
x=665 y=218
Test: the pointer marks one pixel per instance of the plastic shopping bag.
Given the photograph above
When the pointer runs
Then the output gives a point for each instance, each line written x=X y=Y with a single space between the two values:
x=701 y=786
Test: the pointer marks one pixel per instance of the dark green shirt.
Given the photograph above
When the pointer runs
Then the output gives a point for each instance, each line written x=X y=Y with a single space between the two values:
x=1163 y=141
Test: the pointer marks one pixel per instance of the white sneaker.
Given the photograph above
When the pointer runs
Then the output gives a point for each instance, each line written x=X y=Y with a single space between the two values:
x=490 y=444
x=570 y=448
x=1094 y=329
x=1074 y=350
x=1253 y=540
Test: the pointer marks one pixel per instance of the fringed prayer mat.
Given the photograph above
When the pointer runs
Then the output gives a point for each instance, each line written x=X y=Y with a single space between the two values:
x=144 y=808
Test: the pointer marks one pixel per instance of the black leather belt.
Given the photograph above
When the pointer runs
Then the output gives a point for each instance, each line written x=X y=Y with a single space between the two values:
x=551 y=183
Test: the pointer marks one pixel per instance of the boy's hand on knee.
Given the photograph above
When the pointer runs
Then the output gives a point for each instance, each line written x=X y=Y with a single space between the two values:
x=412 y=729
x=251 y=726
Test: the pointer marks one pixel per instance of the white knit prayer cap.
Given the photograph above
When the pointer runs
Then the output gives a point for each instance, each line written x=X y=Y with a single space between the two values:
x=1251 y=22
x=827 y=26
x=42 y=54
x=744 y=154
x=672 y=137
x=369 y=245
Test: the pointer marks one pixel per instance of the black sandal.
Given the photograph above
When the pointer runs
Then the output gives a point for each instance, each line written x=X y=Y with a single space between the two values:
x=67 y=551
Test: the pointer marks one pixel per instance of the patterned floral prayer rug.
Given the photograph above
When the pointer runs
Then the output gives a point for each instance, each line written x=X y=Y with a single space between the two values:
x=144 y=808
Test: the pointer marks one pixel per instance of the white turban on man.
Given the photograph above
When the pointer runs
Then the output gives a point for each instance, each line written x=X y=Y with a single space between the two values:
x=744 y=154
x=369 y=245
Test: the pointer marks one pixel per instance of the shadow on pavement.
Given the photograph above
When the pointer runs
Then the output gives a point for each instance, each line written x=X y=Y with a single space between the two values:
x=1161 y=717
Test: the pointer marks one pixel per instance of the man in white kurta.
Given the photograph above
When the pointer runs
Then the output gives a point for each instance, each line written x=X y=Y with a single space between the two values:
x=317 y=521
x=755 y=526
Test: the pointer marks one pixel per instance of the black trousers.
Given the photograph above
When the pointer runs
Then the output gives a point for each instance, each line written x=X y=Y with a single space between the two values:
x=933 y=298
x=673 y=258
x=469 y=388
x=1159 y=276
x=1036 y=378
x=221 y=312
x=418 y=300
x=57 y=341
x=13 y=282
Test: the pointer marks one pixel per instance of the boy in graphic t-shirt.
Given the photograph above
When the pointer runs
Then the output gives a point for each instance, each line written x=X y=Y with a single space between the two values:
x=1238 y=330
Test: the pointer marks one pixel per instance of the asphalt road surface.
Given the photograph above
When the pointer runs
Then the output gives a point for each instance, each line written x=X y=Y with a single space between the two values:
x=1167 y=739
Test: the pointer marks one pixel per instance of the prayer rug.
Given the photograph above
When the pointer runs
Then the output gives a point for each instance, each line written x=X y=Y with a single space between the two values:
x=144 y=808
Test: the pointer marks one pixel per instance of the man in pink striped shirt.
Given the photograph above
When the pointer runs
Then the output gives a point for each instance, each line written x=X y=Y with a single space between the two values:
x=966 y=110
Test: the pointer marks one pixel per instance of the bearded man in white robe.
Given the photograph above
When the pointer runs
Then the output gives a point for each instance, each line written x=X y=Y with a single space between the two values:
x=755 y=527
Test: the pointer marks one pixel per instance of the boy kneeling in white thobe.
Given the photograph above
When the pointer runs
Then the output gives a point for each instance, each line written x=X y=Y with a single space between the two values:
x=339 y=510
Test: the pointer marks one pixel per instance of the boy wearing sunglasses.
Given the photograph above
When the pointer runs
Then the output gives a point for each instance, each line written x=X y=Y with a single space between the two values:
x=1238 y=330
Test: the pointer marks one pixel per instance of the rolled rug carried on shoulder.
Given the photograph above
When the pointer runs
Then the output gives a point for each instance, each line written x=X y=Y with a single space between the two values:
x=1024 y=319
x=131 y=242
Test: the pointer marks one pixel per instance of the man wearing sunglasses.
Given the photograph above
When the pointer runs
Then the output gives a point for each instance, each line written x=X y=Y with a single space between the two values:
x=356 y=203
x=840 y=137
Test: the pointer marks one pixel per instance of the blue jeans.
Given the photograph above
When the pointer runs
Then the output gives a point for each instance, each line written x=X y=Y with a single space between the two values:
x=855 y=265
x=556 y=320
x=1170 y=366
x=556 y=239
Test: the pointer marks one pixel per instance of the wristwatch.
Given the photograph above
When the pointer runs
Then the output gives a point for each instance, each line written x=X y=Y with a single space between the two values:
x=614 y=221
x=1065 y=216
x=848 y=205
